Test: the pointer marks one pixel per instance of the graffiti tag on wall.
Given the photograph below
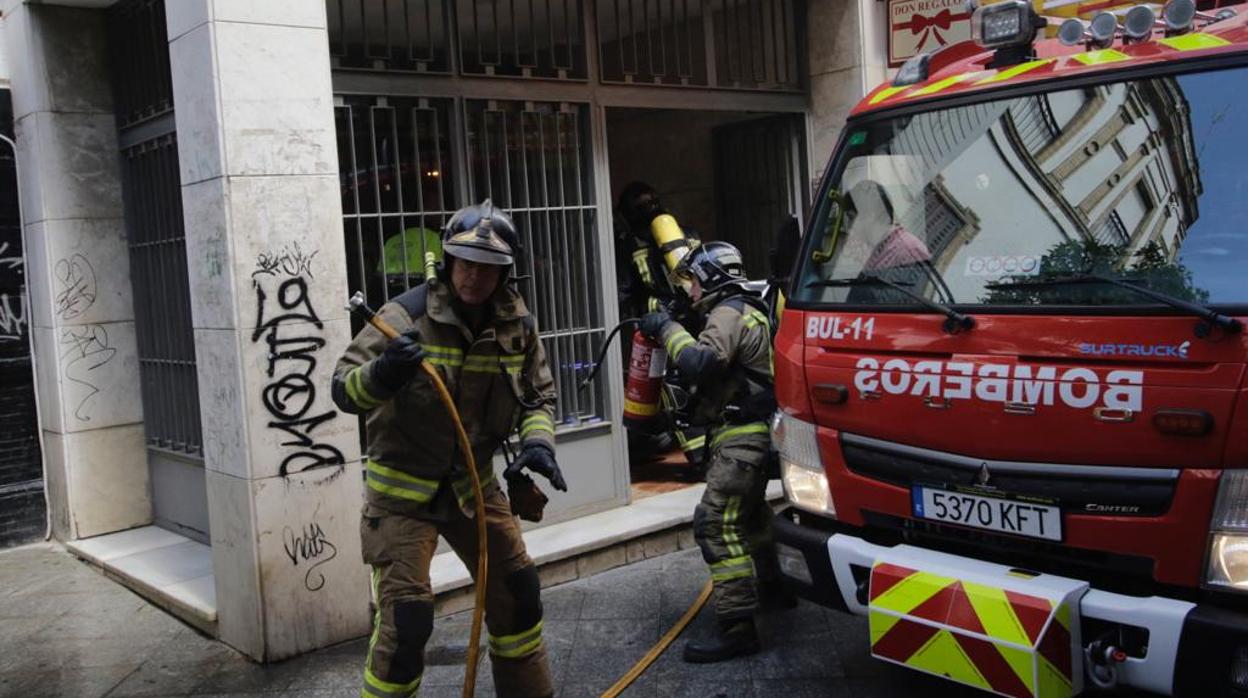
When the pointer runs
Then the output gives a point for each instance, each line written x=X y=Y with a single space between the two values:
x=84 y=348
x=310 y=544
x=290 y=329
x=12 y=315
x=12 y=319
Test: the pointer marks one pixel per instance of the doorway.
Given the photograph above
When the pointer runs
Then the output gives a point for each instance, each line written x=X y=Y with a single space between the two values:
x=724 y=175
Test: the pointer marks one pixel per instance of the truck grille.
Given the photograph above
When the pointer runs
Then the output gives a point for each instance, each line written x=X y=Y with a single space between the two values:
x=1083 y=489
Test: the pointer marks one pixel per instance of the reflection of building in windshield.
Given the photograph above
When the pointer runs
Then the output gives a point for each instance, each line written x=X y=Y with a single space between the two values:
x=1119 y=160
x=991 y=188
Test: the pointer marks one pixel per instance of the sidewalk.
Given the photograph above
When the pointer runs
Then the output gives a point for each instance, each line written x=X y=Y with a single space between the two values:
x=70 y=631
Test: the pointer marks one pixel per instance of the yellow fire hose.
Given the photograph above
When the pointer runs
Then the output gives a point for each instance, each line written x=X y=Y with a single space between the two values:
x=470 y=676
x=644 y=663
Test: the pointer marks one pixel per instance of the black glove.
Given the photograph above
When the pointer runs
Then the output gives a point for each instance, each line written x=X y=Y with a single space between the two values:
x=541 y=460
x=652 y=324
x=399 y=362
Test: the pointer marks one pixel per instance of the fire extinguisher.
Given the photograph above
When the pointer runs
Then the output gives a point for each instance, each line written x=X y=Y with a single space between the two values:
x=647 y=365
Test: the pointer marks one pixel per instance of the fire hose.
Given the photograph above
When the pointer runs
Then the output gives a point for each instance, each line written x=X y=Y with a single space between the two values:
x=358 y=305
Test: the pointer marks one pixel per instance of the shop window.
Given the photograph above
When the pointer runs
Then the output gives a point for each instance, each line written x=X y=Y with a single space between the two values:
x=398 y=35
x=400 y=184
x=533 y=159
x=746 y=44
x=522 y=38
x=397 y=184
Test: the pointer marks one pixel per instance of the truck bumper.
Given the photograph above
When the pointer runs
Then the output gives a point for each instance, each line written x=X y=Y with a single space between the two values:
x=1192 y=650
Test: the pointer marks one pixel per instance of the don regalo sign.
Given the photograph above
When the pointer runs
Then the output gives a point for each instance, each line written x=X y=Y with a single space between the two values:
x=919 y=26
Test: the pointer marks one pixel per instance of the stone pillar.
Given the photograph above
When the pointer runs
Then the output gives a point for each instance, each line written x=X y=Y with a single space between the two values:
x=82 y=315
x=262 y=204
x=848 y=57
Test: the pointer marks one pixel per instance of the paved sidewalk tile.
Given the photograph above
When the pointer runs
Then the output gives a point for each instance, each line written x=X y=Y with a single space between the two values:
x=70 y=631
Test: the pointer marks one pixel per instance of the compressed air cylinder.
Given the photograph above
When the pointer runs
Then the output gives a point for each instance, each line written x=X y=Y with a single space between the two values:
x=670 y=239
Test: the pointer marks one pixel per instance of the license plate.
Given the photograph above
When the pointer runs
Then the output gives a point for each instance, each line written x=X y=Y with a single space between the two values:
x=1020 y=518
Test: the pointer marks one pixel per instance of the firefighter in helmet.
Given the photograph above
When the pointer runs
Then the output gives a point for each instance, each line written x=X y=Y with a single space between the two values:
x=730 y=363
x=644 y=286
x=474 y=328
x=640 y=271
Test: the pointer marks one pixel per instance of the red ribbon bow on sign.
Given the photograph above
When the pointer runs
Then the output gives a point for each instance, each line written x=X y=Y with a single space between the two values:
x=932 y=26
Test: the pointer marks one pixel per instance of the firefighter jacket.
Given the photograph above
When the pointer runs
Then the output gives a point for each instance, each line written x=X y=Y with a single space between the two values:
x=730 y=365
x=498 y=378
x=641 y=275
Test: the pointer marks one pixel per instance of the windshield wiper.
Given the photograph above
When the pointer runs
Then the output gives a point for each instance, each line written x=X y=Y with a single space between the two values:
x=954 y=323
x=1210 y=316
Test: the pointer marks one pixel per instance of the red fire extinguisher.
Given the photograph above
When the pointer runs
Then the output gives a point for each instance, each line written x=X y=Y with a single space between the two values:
x=647 y=366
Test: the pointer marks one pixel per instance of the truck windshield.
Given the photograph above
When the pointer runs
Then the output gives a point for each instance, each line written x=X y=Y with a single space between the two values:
x=1002 y=203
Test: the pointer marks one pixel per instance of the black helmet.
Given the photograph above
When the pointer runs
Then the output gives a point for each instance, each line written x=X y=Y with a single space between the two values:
x=482 y=233
x=716 y=265
x=639 y=204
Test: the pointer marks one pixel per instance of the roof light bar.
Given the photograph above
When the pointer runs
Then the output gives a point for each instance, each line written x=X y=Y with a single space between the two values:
x=1138 y=23
x=1178 y=16
x=914 y=70
x=1008 y=24
x=1072 y=32
x=1102 y=30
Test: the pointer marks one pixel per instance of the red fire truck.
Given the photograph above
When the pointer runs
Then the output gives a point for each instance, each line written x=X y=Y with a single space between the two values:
x=1013 y=424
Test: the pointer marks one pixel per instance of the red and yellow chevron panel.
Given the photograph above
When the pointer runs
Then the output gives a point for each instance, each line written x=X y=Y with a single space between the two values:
x=969 y=629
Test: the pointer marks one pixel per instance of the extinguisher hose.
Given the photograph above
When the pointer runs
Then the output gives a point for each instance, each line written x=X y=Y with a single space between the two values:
x=470 y=676
x=602 y=353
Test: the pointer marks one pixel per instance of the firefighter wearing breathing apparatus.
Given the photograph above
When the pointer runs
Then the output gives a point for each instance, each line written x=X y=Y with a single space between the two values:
x=474 y=328
x=730 y=367
x=649 y=243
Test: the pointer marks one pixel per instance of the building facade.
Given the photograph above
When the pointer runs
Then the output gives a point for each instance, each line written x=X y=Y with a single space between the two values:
x=203 y=183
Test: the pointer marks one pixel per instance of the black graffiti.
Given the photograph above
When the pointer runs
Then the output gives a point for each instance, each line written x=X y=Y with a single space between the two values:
x=77 y=286
x=291 y=362
x=292 y=296
x=12 y=322
x=308 y=545
x=290 y=261
x=87 y=349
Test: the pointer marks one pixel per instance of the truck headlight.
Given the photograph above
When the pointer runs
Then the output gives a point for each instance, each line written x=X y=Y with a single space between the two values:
x=801 y=468
x=1228 y=534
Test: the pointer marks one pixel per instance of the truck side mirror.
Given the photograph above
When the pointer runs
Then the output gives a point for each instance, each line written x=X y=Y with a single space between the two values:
x=784 y=248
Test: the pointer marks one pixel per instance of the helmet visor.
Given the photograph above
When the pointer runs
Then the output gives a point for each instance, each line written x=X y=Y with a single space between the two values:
x=476 y=254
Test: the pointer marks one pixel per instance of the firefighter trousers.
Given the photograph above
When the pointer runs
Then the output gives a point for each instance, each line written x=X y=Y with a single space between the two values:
x=399 y=549
x=732 y=525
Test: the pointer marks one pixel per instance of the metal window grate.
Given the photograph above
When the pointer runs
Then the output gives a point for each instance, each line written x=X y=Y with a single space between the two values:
x=746 y=44
x=1034 y=121
x=162 y=304
x=522 y=38
x=1111 y=231
x=399 y=161
x=394 y=156
x=533 y=159
x=399 y=35
x=140 y=53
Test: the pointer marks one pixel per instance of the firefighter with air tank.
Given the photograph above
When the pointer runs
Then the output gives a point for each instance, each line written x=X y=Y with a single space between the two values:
x=728 y=368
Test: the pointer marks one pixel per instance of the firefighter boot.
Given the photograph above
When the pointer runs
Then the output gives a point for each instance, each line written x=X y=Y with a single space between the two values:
x=736 y=638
